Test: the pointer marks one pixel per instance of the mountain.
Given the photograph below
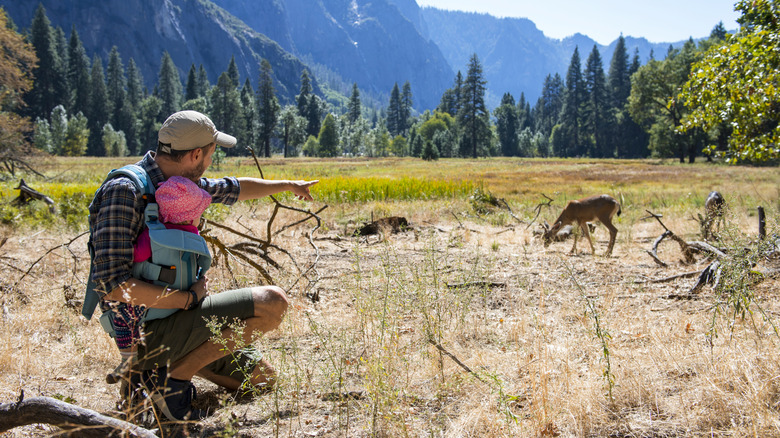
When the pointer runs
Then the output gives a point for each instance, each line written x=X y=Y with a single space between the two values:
x=373 y=43
x=191 y=31
x=515 y=55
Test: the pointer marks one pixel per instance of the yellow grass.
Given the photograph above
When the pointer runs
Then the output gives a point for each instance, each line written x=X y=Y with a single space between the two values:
x=520 y=316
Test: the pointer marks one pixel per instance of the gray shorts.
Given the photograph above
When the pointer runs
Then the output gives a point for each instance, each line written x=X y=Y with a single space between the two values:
x=169 y=339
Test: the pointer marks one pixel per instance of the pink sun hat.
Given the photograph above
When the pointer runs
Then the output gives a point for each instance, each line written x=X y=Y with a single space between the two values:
x=181 y=201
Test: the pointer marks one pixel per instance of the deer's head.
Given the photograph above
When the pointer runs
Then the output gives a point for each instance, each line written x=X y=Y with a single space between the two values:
x=549 y=232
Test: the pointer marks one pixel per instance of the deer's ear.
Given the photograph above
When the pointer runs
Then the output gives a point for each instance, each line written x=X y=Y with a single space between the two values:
x=546 y=225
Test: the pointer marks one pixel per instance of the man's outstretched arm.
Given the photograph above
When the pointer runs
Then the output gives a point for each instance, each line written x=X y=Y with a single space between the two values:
x=255 y=188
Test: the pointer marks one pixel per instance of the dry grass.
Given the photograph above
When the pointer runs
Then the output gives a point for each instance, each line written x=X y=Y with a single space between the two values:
x=538 y=361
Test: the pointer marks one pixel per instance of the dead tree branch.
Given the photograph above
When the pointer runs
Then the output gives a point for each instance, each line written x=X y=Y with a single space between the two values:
x=538 y=209
x=66 y=245
x=456 y=360
x=80 y=421
x=27 y=193
x=687 y=250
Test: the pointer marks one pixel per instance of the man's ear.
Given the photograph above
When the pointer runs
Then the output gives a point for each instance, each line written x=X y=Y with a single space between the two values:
x=195 y=154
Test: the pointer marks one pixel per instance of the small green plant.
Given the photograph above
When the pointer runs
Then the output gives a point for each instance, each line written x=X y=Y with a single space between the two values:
x=483 y=202
x=73 y=208
x=601 y=333
x=735 y=277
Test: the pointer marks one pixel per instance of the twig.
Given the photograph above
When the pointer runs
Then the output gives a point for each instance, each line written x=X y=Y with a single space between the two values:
x=686 y=249
x=47 y=253
x=675 y=277
x=475 y=283
x=456 y=360
x=538 y=209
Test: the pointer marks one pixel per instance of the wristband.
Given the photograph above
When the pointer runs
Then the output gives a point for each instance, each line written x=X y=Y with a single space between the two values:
x=194 y=303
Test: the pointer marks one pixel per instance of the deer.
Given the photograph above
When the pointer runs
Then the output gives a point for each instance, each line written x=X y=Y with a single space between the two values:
x=602 y=208
x=713 y=212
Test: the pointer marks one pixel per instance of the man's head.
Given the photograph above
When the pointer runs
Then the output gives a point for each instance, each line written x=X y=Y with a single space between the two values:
x=193 y=135
x=188 y=130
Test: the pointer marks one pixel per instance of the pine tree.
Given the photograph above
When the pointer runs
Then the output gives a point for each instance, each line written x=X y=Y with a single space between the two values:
x=99 y=107
x=78 y=74
x=394 y=112
x=574 y=97
x=169 y=84
x=226 y=105
x=149 y=110
x=267 y=107
x=450 y=100
x=473 y=116
x=636 y=138
x=302 y=99
x=115 y=87
x=135 y=85
x=619 y=83
x=77 y=137
x=619 y=88
x=232 y=72
x=328 y=138
x=248 y=131
x=430 y=152
x=191 y=87
x=597 y=112
x=718 y=32
x=293 y=130
x=313 y=115
x=506 y=125
x=407 y=102
x=50 y=88
x=548 y=107
x=203 y=82
x=353 y=108
x=308 y=105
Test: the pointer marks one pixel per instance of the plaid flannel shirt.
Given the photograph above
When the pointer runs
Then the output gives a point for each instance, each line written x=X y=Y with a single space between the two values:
x=116 y=218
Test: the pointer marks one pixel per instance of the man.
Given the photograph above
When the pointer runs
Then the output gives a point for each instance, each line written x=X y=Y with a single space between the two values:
x=179 y=346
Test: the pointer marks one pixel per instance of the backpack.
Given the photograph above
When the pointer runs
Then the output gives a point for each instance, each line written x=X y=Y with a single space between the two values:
x=179 y=258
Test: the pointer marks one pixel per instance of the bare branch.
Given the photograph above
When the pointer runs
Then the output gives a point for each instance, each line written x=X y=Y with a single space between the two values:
x=538 y=209
x=84 y=422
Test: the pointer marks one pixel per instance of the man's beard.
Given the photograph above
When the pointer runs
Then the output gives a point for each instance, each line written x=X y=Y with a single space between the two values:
x=196 y=173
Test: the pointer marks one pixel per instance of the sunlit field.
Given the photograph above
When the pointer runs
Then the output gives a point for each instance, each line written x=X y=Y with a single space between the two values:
x=462 y=324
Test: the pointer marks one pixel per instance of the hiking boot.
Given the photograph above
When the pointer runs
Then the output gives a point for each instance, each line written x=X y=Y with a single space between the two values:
x=173 y=397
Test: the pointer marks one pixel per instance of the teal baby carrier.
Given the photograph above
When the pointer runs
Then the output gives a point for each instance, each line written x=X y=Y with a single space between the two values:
x=179 y=258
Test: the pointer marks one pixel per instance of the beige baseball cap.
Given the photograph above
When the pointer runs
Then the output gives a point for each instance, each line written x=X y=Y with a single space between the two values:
x=187 y=130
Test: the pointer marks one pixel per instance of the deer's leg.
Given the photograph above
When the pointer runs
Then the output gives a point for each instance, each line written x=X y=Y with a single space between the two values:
x=574 y=247
x=612 y=237
x=586 y=232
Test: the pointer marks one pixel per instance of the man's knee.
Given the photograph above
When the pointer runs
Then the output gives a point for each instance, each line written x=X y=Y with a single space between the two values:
x=270 y=302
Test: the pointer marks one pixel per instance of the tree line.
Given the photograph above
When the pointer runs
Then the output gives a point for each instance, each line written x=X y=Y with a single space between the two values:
x=628 y=111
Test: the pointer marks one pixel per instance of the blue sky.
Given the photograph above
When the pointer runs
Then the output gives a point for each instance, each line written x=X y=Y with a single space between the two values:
x=604 y=20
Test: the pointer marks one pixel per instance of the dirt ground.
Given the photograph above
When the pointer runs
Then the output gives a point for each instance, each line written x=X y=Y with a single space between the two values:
x=447 y=328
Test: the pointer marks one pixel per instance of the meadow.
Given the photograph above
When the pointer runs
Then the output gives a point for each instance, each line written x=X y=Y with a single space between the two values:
x=463 y=324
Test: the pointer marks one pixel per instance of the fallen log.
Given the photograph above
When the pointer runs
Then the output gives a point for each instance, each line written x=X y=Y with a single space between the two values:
x=76 y=420
x=27 y=194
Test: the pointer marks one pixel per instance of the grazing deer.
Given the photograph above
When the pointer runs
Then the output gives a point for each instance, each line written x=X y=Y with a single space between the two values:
x=713 y=212
x=601 y=208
